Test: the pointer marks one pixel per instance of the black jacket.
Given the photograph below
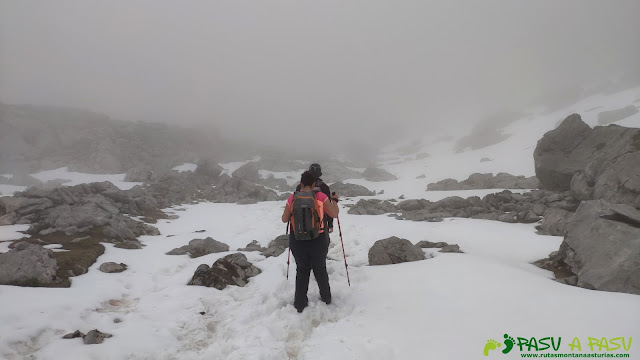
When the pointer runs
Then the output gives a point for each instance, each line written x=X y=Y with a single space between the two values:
x=325 y=190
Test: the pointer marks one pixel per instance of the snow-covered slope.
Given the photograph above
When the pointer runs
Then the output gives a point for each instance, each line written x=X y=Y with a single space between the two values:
x=446 y=307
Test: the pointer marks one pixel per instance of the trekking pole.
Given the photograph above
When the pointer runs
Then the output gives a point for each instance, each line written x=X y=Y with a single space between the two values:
x=289 y=255
x=346 y=267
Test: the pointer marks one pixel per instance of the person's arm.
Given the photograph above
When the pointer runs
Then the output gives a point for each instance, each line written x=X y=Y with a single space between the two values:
x=286 y=215
x=331 y=208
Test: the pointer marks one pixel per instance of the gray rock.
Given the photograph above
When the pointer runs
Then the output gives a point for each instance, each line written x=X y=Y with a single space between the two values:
x=453 y=248
x=375 y=174
x=235 y=189
x=607 y=158
x=539 y=209
x=28 y=265
x=111 y=267
x=140 y=173
x=73 y=335
x=602 y=247
x=232 y=269
x=248 y=171
x=413 y=204
x=451 y=202
x=348 y=190
x=428 y=244
x=209 y=169
x=620 y=182
x=9 y=219
x=23 y=205
x=508 y=218
x=200 y=247
x=554 y=222
x=528 y=217
x=553 y=163
x=444 y=185
x=486 y=181
x=24 y=179
x=580 y=188
x=277 y=246
x=372 y=207
x=394 y=250
x=252 y=246
x=95 y=337
x=608 y=117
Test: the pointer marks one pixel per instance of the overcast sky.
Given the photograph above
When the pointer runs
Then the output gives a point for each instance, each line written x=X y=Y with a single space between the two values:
x=355 y=69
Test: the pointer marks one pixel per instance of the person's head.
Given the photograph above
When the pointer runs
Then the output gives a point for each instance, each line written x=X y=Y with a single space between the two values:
x=307 y=179
x=315 y=170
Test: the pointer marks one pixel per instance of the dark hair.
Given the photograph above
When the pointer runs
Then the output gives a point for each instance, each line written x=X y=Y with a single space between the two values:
x=307 y=179
x=315 y=169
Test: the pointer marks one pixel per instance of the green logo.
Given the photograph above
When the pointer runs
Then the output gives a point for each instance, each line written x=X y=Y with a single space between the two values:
x=535 y=345
x=492 y=345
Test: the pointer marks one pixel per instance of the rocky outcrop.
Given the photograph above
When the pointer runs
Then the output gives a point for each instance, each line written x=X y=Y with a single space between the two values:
x=232 y=269
x=598 y=163
x=348 y=190
x=372 y=207
x=28 y=265
x=601 y=247
x=608 y=117
x=486 y=181
x=394 y=250
x=277 y=246
x=238 y=190
x=503 y=206
x=248 y=171
x=200 y=247
x=376 y=174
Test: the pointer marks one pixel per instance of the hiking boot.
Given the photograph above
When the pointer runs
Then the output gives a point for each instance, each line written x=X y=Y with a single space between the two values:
x=300 y=307
x=326 y=301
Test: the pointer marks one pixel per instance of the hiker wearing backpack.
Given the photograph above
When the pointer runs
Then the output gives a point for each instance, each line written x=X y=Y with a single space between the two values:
x=316 y=171
x=308 y=240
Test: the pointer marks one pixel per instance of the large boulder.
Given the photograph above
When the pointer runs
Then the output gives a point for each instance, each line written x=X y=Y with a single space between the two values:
x=209 y=169
x=598 y=163
x=554 y=222
x=602 y=246
x=200 y=247
x=394 y=250
x=277 y=246
x=28 y=265
x=346 y=189
x=376 y=174
x=555 y=162
x=248 y=171
x=232 y=269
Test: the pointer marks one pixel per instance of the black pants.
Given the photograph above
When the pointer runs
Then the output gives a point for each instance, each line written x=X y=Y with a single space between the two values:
x=310 y=255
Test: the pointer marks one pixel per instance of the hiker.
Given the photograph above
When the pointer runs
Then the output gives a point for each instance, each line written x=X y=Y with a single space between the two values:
x=316 y=171
x=308 y=241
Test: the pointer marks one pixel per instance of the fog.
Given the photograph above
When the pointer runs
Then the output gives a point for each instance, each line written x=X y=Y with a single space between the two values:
x=283 y=72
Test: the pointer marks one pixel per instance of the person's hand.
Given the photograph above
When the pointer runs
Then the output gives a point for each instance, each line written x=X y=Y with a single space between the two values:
x=334 y=196
x=330 y=230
